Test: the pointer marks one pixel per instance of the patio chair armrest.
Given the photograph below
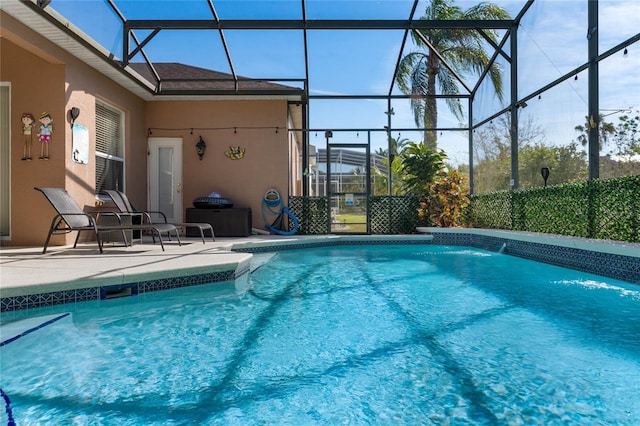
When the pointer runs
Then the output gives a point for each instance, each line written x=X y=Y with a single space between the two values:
x=148 y=213
x=144 y=215
x=92 y=220
x=117 y=215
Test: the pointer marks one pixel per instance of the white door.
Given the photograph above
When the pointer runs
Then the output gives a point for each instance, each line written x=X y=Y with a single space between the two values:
x=165 y=177
x=5 y=162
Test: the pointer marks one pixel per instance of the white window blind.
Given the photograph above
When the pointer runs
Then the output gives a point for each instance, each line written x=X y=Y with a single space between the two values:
x=109 y=148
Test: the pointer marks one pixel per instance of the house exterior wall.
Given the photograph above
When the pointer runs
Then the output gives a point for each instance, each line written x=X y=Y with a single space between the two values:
x=44 y=77
x=37 y=85
x=244 y=181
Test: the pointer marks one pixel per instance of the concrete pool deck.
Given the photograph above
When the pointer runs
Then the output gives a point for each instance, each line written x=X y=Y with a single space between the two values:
x=25 y=272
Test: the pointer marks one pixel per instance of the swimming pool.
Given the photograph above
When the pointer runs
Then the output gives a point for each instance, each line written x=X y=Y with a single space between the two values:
x=407 y=334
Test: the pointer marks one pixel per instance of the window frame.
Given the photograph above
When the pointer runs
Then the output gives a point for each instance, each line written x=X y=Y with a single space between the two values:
x=111 y=156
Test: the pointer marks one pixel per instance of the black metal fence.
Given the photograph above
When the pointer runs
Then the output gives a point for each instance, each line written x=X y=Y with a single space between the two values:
x=387 y=214
x=312 y=214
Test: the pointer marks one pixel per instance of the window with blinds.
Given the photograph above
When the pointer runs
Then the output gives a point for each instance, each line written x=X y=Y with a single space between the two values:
x=109 y=148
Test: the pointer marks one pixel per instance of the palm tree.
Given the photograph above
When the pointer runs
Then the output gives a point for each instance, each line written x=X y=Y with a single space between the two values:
x=607 y=130
x=398 y=146
x=421 y=73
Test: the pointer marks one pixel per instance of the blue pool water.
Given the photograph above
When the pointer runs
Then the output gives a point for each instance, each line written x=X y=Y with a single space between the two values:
x=390 y=335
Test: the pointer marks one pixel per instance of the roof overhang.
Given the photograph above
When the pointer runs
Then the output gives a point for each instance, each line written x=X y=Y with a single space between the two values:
x=67 y=36
x=54 y=27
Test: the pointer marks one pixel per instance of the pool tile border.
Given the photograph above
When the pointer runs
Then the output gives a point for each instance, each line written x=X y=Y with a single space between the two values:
x=559 y=253
x=347 y=241
x=102 y=293
x=613 y=265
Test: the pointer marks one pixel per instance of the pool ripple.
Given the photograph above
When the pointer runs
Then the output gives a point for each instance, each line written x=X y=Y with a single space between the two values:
x=355 y=335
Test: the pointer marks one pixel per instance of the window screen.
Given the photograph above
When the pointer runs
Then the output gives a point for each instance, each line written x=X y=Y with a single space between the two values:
x=109 y=148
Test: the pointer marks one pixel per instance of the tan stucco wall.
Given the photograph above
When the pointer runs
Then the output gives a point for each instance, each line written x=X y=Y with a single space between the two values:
x=44 y=77
x=36 y=86
x=244 y=181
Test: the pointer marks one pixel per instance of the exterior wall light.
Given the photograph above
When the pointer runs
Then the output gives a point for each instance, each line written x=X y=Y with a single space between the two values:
x=201 y=146
x=74 y=113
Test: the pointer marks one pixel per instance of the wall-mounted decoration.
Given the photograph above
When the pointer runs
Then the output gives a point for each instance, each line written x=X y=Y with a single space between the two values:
x=201 y=147
x=235 y=152
x=27 y=128
x=44 y=136
x=80 y=138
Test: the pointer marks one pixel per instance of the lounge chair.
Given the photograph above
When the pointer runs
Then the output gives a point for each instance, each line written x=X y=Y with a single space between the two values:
x=123 y=204
x=70 y=217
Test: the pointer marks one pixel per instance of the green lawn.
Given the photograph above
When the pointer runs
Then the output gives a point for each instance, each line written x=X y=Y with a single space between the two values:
x=351 y=223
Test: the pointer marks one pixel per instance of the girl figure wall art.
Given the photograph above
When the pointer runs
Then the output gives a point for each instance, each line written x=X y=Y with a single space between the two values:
x=44 y=137
x=27 y=127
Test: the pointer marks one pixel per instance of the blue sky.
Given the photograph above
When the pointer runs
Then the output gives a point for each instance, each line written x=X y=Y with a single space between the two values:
x=552 y=41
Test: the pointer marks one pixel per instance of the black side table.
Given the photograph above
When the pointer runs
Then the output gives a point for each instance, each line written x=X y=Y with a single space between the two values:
x=226 y=222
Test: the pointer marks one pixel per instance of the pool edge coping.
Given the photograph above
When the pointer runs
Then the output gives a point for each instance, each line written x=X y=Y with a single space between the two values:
x=178 y=277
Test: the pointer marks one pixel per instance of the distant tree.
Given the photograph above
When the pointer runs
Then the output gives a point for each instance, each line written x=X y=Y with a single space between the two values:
x=624 y=158
x=492 y=152
x=623 y=139
x=398 y=146
x=421 y=74
x=627 y=135
x=606 y=130
x=492 y=157
x=566 y=164
x=617 y=166
x=463 y=169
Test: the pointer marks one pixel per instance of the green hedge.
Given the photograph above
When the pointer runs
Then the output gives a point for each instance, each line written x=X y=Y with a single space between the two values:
x=605 y=209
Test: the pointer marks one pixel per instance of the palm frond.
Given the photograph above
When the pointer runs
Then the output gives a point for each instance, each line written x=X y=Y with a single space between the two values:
x=486 y=10
x=405 y=69
x=465 y=50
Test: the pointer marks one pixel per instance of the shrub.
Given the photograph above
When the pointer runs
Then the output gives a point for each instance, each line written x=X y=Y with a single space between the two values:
x=446 y=199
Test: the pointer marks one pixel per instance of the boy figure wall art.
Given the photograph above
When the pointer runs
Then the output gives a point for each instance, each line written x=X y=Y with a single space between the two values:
x=46 y=129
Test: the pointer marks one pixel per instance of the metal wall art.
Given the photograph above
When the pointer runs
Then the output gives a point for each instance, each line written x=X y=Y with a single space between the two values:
x=27 y=128
x=44 y=136
x=235 y=153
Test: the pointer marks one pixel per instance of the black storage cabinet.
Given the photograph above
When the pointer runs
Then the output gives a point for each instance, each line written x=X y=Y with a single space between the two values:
x=225 y=222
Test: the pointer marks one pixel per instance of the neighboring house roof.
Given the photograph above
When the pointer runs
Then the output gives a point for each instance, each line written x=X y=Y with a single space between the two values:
x=179 y=78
